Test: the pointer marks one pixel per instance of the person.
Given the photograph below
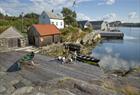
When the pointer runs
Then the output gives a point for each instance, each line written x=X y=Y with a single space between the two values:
x=75 y=56
x=63 y=60
x=32 y=56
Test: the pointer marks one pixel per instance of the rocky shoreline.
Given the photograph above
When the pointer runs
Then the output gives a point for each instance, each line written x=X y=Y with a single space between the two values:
x=52 y=78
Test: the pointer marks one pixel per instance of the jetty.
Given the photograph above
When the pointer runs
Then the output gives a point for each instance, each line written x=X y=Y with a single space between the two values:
x=111 y=35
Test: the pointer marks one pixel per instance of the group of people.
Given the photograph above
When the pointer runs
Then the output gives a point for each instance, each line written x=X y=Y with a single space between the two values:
x=69 y=59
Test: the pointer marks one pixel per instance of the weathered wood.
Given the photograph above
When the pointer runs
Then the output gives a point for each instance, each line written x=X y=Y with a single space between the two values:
x=11 y=38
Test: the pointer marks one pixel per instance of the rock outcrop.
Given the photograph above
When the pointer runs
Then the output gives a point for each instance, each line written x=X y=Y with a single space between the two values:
x=90 y=38
x=51 y=78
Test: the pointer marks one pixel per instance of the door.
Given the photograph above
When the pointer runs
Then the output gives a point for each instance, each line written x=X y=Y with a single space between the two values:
x=19 y=42
x=12 y=42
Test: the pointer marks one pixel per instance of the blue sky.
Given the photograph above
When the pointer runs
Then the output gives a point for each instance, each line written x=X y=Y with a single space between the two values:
x=109 y=10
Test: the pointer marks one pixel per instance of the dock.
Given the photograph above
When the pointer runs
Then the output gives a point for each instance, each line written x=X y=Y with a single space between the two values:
x=111 y=35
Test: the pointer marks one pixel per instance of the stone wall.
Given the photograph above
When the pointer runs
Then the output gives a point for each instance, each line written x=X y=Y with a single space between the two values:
x=3 y=43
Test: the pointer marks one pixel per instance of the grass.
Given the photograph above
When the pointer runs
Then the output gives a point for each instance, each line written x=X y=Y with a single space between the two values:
x=125 y=89
x=53 y=50
x=130 y=90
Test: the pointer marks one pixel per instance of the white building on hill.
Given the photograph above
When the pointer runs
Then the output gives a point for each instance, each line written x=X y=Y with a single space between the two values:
x=51 y=18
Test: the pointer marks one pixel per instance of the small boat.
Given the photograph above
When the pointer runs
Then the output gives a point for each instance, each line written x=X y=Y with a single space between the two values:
x=88 y=59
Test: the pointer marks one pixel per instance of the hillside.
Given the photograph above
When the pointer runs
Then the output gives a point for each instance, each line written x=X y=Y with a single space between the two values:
x=28 y=20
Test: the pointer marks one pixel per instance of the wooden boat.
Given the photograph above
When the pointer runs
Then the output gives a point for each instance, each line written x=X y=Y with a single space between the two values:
x=88 y=59
x=73 y=47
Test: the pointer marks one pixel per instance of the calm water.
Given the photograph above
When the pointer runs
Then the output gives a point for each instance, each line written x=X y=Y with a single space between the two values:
x=126 y=50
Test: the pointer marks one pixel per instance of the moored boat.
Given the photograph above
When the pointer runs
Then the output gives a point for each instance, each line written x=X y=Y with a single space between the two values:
x=88 y=59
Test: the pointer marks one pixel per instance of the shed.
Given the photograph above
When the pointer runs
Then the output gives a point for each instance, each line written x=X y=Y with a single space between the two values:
x=84 y=24
x=96 y=24
x=43 y=34
x=11 y=38
x=100 y=25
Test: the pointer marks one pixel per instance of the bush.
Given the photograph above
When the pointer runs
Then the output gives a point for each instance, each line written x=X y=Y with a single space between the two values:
x=88 y=30
x=72 y=34
x=67 y=30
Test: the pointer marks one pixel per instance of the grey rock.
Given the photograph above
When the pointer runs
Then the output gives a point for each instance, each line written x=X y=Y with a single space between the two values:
x=22 y=90
x=26 y=82
x=62 y=92
x=2 y=74
x=15 y=81
x=40 y=93
x=90 y=38
x=2 y=89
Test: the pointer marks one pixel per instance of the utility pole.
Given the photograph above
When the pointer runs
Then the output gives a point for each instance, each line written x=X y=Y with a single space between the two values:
x=22 y=14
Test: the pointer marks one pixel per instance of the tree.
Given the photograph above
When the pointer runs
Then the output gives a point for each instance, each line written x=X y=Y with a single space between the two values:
x=1 y=14
x=69 y=17
x=31 y=15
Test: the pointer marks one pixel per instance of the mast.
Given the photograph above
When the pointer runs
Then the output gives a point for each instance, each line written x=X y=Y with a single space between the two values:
x=74 y=5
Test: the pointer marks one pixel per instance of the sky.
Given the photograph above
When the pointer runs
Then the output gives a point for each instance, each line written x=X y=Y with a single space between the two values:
x=108 y=10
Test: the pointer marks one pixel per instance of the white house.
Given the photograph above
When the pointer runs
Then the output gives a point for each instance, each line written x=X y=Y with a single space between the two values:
x=51 y=18
x=105 y=26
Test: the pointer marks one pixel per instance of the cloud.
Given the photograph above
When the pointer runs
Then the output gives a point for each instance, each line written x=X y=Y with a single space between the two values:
x=3 y=12
x=108 y=50
x=110 y=17
x=132 y=15
x=15 y=7
x=107 y=2
x=79 y=1
x=110 y=2
x=81 y=16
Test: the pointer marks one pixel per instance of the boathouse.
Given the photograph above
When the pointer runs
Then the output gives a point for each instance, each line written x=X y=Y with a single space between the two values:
x=43 y=34
x=84 y=24
x=100 y=25
x=11 y=38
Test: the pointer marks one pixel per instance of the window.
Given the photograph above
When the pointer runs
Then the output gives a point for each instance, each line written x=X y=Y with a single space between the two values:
x=61 y=23
x=56 y=23
x=44 y=16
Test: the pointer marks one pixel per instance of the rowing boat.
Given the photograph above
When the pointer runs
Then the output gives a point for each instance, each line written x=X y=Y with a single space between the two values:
x=88 y=59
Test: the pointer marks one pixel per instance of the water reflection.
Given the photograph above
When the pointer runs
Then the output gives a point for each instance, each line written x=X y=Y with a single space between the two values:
x=120 y=54
x=112 y=41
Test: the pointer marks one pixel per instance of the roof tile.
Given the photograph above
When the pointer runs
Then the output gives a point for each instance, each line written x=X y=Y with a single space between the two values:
x=46 y=29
